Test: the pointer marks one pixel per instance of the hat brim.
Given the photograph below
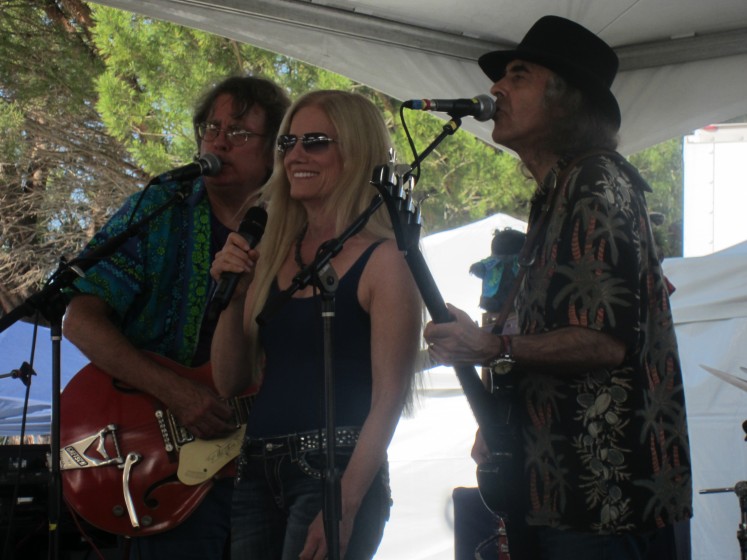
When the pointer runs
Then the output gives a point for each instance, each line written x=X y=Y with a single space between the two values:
x=494 y=65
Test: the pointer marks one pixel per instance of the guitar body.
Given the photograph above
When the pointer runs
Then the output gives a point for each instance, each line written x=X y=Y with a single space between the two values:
x=119 y=455
x=498 y=479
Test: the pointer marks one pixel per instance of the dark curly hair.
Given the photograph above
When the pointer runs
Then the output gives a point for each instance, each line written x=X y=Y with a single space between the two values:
x=578 y=125
x=246 y=92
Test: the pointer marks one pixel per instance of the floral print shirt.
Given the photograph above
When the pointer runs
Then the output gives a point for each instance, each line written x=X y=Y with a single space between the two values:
x=606 y=451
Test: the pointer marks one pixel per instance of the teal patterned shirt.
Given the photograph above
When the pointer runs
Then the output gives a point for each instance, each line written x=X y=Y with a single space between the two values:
x=158 y=281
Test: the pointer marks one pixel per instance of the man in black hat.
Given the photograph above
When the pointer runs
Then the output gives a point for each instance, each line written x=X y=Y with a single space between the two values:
x=600 y=393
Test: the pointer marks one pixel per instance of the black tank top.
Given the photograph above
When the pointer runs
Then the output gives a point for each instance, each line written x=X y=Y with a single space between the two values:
x=291 y=397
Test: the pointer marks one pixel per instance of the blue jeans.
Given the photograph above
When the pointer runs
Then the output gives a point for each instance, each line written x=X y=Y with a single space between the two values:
x=555 y=544
x=276 y=499
x=203 y=536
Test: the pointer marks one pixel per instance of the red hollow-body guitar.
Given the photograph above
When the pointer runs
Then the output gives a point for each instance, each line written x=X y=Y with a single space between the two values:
x=127 y=466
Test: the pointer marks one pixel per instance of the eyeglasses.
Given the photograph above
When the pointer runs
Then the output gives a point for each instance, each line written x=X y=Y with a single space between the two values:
x=209 y=132
x=312 y=142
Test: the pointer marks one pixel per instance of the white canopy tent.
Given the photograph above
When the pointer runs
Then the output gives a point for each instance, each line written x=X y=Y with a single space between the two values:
x=683 y=62
x=710 y=313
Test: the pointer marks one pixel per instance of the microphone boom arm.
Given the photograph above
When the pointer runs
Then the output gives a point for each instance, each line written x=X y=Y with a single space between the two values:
x=447 y=130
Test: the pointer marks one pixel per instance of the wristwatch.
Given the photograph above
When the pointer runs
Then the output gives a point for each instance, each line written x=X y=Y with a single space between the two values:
x=504 y=362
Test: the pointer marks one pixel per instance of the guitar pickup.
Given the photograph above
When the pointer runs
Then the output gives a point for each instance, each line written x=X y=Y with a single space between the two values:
x=77 y=456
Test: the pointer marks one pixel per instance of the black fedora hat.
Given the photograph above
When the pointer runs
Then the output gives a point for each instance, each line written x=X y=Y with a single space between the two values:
x=571 y=51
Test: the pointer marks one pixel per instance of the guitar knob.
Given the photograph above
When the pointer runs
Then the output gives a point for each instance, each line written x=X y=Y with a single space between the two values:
x=146 y=521
x=118 y=511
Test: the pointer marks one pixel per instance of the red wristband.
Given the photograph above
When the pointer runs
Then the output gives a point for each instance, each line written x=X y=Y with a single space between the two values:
x=507 y=349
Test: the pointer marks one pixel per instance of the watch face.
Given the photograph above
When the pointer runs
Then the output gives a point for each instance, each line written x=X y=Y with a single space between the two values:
x=502 y=365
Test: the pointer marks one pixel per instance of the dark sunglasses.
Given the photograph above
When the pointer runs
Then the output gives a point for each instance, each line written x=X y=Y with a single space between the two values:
x=312 y=142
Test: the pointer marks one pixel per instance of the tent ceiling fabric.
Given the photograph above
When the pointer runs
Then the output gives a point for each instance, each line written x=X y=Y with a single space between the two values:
x=683 y=62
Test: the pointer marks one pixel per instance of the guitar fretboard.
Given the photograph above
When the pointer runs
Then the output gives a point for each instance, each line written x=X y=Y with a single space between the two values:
x=242 y=407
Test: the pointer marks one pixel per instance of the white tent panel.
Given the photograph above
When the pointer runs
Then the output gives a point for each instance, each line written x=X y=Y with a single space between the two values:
x=429 y=456
x=715 y=411
x=710 y=313
x=16 y=343
x=709 y=296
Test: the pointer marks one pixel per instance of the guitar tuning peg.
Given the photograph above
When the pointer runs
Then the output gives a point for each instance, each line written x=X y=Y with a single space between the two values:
x=422 y=197
x=412 y=207
x=405 y=173
x=384 y=175
x=417 y=218
x=403 y=170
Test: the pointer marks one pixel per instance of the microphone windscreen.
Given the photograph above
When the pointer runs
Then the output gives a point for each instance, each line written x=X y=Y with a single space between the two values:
x=210 y=164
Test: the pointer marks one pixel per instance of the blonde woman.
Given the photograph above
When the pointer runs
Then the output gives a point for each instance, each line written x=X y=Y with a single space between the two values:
x=329 y=144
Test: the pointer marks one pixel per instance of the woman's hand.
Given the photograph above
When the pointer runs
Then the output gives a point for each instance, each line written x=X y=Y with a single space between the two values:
x=316 y=541
x=238 y=257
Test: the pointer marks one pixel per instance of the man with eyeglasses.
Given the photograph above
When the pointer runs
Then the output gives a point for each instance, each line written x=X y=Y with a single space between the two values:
x=152 y=294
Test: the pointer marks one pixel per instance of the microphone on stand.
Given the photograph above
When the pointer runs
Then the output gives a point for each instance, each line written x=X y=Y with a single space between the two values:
x=481 y=107
x=251 y=228
x=208 y=165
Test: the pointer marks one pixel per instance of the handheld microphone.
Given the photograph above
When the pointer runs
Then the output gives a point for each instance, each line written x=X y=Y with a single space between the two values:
x=251 y=228
x=208 y=164
x=482 y=107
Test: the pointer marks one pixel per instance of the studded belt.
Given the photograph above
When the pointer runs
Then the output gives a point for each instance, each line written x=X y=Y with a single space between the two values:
x=296 y=446
x=302 y=442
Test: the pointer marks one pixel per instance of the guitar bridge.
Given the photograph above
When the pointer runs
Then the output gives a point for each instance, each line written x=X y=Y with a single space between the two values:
x=76 y=455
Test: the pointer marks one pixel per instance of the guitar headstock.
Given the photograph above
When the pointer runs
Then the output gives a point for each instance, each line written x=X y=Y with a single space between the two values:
x=395 y=185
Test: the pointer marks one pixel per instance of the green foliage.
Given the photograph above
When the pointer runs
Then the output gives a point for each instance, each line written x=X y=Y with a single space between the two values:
x=11 y=126
x=151 y=81
x=31 y=41
x=52 y=144
x=156 y=71
x=662 y=167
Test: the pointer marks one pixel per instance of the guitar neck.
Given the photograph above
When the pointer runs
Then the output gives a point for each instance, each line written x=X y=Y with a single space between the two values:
x=432 y=298
x=482 y=403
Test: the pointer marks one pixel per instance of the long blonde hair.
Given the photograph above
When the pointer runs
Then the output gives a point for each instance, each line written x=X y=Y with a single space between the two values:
x=364 y=143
